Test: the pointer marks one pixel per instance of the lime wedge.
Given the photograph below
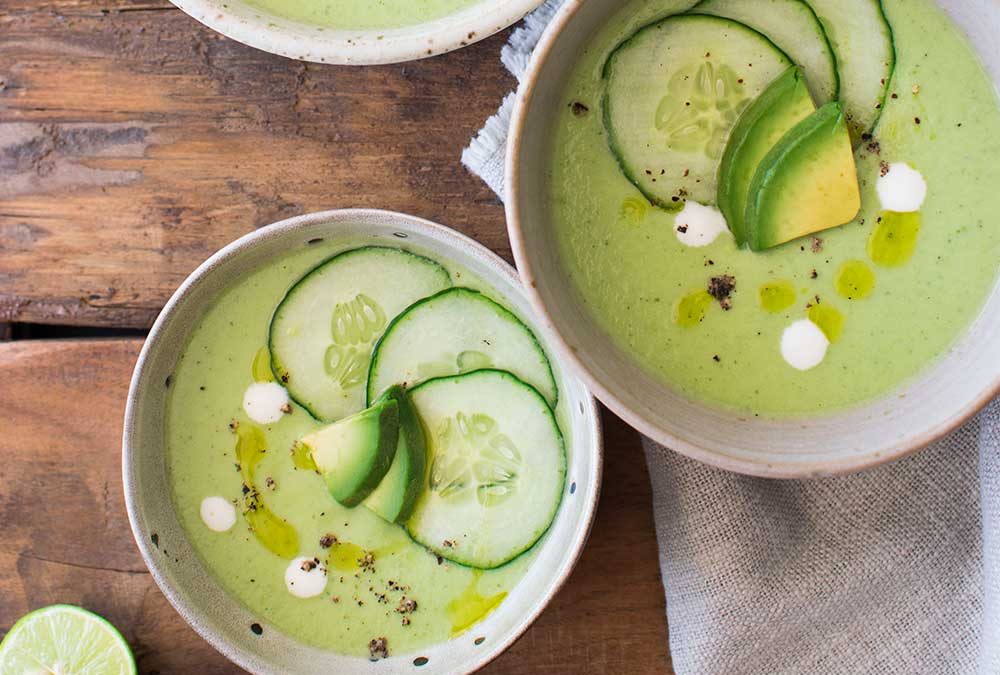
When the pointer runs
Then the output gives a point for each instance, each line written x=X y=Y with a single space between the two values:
x=64 y=640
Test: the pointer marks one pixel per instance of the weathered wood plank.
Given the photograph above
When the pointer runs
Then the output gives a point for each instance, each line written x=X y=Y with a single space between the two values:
x=134 y=143
x=66 y=535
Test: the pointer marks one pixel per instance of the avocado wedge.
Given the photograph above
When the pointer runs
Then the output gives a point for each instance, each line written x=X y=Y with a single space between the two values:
x=394 y=498
x=805 y=184
x=354 y=454
x=781 y=106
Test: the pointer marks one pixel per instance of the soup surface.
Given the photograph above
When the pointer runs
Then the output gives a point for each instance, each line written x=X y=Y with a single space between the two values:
x=372 y=566
x=646 y=289
x=362 y=14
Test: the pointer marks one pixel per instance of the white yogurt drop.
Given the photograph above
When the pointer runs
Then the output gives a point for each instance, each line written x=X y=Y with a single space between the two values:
x=698 y=225
x=304 y=578
x=263 y=402
x=901 y=189
x=803 y=345
x=218 y=513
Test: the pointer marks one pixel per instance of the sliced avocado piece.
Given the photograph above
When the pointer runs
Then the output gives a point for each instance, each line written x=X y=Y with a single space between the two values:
x=806 y=183
x=394 y=498
x=354 y=454
x=781 y=106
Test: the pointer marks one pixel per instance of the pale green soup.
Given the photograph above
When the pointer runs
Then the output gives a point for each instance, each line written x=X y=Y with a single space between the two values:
x=631 y=271
x=359 y=604
x=362 y=14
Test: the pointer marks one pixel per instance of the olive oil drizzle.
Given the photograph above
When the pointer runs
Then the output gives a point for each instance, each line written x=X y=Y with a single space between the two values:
x=471 y=607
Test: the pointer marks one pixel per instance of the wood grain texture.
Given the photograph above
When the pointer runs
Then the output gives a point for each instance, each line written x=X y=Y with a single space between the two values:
x=66 y=537
x=134 y=143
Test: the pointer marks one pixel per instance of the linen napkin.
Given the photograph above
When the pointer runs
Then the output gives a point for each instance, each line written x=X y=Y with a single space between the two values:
x=895 y=571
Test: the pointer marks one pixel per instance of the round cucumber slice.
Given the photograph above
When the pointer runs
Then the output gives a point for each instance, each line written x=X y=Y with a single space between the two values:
x=497 y=468
x=673 y=92
x=65 y=639
x=456 y=331
x=861 y=37
x=795 y=28
x=322 y=332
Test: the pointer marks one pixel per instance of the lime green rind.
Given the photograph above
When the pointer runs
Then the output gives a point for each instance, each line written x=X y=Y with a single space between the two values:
x=784 y=103
x=61 y=629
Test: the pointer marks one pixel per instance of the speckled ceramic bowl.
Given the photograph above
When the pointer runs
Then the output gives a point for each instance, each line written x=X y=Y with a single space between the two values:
x=252 y=26
x=920 y=411
x=196 y=594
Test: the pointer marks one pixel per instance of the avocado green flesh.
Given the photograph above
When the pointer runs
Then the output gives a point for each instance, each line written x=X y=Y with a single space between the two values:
x=627 y=273
x=806 y=183
x=354 y=454
x=205 y=395
x=395 y=497
x=783 y=104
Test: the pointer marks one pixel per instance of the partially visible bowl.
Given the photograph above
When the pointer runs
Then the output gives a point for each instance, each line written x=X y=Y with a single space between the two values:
x=925 y=408
x=183 y=578
x=251 y=26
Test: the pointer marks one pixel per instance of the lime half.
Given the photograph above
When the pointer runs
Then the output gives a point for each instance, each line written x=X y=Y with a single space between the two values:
x=64 y=640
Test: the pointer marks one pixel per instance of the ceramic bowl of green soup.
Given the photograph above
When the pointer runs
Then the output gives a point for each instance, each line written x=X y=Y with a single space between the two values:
x=349 y=449
x=767 y=231
x=357 y=32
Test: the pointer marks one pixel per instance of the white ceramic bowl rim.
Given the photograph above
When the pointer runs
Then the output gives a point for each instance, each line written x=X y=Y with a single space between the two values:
x=587 y=484
x=621 y=398
x=295 y=40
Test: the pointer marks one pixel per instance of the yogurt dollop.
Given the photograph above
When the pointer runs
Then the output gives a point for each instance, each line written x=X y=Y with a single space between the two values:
x=697 y=225
x=305 y=578
x=902 y=188
x=218 y=513
x=803 y=345
x=265 y=402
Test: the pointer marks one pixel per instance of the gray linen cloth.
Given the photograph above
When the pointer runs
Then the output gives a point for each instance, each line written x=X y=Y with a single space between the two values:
x=882 y=572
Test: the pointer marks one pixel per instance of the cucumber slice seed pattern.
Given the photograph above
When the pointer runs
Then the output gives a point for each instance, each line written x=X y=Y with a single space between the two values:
x=475 y=458
x=355 y=325
x=702 y=103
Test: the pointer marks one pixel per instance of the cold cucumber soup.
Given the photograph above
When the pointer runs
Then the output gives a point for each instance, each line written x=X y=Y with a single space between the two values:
x=364 y=445
x=778 y=207
x=362 y=14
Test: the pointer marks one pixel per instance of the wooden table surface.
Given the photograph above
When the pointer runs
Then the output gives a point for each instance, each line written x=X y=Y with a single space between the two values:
x=133 y=144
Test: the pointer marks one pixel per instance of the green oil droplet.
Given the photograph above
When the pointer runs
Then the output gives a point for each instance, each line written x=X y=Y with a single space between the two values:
x=345 y=556
x=276 y=535
x=829 y=320
x=690 y=310
x=776 y=296
x=894 y=239
x=302 y=458
x=854 y=280
x=633 y=210
x=250 y=448
x=471 y=607
x=262 y=366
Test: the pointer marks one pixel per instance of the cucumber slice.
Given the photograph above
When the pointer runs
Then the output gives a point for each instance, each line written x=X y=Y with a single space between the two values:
x=497 y=468
x=795 y=28
x=456 y=331
x=784 y=103
x=394 y=498
x=322 y=333
x=354 y=454
x=861 y=38
x=673 y=92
